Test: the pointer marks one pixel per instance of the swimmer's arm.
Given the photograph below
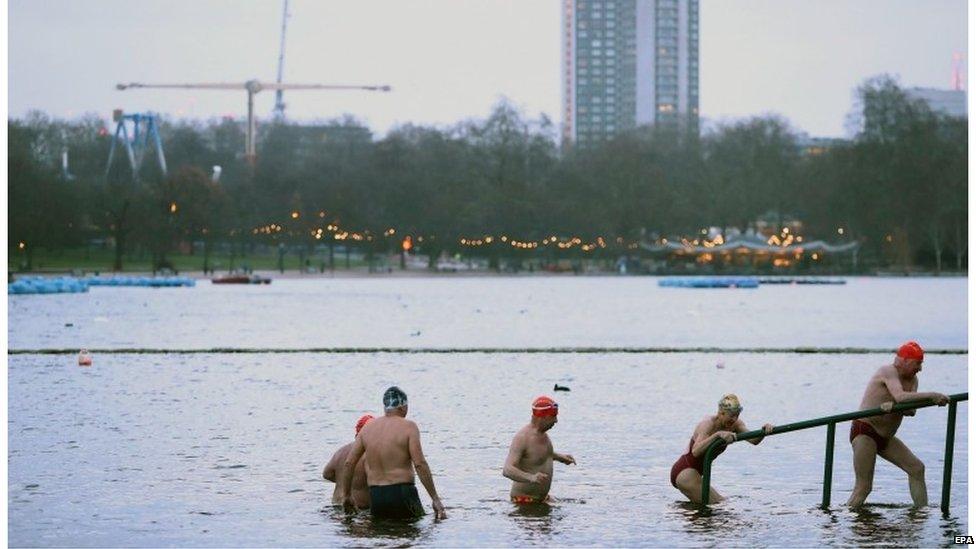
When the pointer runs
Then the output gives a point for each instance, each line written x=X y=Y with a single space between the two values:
x=702 y=441
x=893 y=384
x=910 y=413
x=332 y=468
x=420 y=462
x=348 y=466
x=510 y=471
x=740 y=427
x=564 y=458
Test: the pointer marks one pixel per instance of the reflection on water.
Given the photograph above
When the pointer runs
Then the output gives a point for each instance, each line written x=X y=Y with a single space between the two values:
x=874 y=525
x=889 y=524
x=537 y=522
x=952 y=527
x=716 y=518
x=362 y=526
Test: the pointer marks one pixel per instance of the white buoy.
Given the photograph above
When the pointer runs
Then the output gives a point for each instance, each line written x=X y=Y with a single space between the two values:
x=84 y=358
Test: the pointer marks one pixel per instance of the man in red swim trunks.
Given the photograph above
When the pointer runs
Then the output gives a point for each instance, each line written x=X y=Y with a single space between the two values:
x=529 y=462
x=875 y=436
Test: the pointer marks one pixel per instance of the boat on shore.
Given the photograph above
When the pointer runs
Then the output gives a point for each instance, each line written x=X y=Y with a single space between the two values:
x=241 y=279
x=806 y=280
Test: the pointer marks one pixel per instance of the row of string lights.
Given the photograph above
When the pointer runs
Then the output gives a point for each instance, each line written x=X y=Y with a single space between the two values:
x=333 y=231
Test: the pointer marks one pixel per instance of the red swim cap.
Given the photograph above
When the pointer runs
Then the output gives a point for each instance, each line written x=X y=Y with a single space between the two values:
x=911 y=351
x=362 y=421
x=544 y=407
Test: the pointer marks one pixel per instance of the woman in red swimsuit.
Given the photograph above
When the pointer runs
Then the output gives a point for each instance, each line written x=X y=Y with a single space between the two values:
x=686 y=473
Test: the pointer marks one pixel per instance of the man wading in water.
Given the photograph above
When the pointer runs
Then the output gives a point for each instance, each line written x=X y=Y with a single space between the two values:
x=875 y=436
x=391 y=445
x=529 y=463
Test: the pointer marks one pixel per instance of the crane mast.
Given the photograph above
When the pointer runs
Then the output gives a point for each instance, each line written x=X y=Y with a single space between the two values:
x=279 y=107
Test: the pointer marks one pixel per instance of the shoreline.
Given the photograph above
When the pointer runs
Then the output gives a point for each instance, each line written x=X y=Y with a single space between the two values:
x=424 y=273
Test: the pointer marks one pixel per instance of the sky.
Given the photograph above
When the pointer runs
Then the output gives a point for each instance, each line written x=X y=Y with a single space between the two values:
x=452 y=60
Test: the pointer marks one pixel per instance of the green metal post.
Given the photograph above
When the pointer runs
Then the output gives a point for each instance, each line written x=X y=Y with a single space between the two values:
x=828 y=465
x=947 y=467
x=707 y=471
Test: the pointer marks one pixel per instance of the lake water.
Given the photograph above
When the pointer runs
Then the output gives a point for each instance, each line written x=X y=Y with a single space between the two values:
x=227 y=449
x=512 y=312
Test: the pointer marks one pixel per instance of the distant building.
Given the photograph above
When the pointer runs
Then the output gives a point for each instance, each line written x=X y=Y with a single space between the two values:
x=950 y=102
x=312 y=140
x=812 y=146
x=628 y=63
x=346 y=134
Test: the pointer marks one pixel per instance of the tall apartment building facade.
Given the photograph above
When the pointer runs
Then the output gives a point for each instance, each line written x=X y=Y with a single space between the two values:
x=628 y=63
x=950 y=102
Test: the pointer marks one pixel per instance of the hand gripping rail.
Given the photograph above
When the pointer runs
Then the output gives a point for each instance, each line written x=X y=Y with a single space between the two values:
x=831 y=422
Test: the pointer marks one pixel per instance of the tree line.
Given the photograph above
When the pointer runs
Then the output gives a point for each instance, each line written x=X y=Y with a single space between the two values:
x=899 y=187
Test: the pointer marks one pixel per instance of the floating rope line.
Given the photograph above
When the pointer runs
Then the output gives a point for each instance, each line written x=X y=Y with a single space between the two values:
x=486 y=350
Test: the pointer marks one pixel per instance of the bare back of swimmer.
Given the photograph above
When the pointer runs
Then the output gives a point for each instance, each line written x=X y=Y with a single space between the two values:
x=392 y=450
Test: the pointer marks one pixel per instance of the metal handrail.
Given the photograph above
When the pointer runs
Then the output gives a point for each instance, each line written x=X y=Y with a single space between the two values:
x=830 y=422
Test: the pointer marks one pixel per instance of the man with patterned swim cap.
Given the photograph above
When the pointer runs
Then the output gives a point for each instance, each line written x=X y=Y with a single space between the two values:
x=391 y=446
x=530 y=457
x=360 y=491
x=686 y=473
x=875 y=436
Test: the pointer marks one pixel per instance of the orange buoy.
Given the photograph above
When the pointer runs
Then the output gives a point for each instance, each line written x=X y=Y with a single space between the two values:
x=84 y=358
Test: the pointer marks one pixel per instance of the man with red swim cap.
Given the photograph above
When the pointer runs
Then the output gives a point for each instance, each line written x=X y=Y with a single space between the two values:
x=529 y=462
x=875 y=436
x=360 y=491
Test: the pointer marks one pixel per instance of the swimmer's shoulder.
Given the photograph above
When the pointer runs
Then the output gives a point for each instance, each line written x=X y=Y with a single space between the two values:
x=343 y=451
x=521 y=436
x=888 y=370
x=703 y=427
x=406 y=426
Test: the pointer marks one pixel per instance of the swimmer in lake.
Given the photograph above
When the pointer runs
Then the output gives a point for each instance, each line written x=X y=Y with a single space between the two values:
x=875 y=436
x=360 y=491
x=686 y=473
x=391 y=446
x=530 y=457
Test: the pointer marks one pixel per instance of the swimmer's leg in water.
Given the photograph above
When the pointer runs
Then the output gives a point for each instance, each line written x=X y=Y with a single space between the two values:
x=690 y=484
x=897 y=453
x=865 y=456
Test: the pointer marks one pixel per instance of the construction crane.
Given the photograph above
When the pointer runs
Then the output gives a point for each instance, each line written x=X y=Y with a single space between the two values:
x=251 y=87
x=958 y=71
x=279 y=107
